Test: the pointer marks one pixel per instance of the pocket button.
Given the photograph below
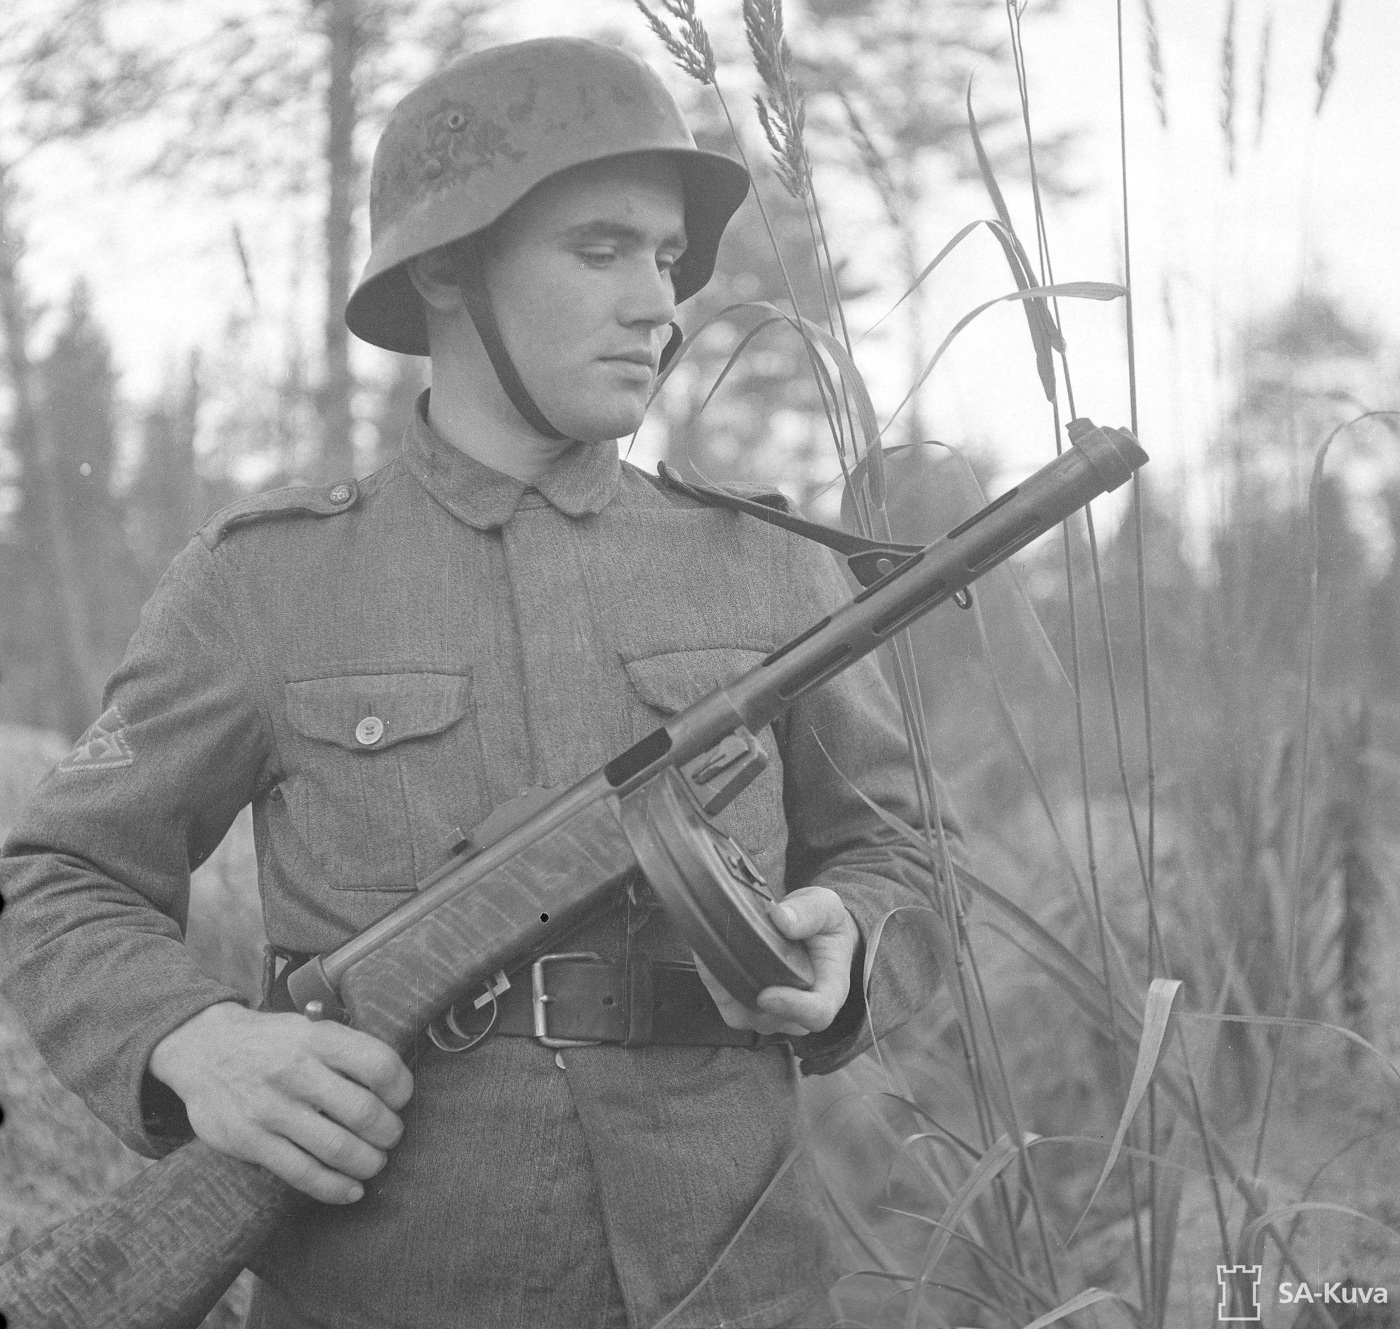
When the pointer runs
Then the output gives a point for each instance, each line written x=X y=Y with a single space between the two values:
x=369 y=731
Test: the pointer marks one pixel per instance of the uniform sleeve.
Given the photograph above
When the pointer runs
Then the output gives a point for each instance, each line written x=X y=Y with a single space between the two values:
x=849 y=732
x=96 y=875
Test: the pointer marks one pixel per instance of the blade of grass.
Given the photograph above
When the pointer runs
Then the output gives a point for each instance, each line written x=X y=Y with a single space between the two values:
x=1078 y=290
x=1156 y=1016
x=736 y=353
x=1091 y=1296
x=1044 y=334
x=927 y=270
x=988 y=1168
x=1314 y=491
x=1252 y=1241
x=1036 y=1296
x=1296 y=1022
x=1166 y=1217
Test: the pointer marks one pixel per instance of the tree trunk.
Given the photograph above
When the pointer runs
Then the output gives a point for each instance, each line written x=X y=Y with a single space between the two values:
x=78 y=676
x=337 y=442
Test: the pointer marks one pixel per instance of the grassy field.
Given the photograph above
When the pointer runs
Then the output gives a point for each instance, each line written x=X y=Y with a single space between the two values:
x=1254 y=918
x=1333 y=1136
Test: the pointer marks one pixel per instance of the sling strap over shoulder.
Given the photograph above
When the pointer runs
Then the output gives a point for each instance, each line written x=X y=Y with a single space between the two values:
x=868 y=560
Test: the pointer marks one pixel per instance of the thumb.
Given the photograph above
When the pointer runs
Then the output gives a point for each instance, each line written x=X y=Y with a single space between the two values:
x=802 y=916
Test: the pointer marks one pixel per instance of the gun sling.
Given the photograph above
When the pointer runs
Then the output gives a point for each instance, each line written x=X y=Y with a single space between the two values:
x=868 y=560
x=576 y=998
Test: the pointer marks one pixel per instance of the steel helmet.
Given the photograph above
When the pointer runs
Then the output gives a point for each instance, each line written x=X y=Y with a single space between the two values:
x=476 y=137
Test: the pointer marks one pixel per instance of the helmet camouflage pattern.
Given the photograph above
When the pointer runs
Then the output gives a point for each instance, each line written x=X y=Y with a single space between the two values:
x=476 y=137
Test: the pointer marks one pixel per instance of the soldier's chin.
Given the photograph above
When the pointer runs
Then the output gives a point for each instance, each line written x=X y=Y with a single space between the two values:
x=603 y=421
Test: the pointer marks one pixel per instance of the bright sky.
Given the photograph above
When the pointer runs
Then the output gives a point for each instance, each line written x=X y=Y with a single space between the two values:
x=1316 y=198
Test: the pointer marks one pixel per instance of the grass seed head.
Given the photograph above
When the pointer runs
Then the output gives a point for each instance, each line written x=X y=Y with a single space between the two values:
x=1154 y=62
x=876 y=166
x=691 y=50
x=1227 y=87
x=1327 y=56
x=1261 y=105
x=782 y=110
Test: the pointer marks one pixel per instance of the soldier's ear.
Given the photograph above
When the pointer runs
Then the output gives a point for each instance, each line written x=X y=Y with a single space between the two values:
x=434 y=277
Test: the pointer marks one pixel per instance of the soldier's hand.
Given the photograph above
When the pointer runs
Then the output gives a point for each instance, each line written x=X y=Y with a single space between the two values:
x=815 y=916
x=315 y=1103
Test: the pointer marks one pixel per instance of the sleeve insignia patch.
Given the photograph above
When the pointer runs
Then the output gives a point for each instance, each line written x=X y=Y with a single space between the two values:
x=102 y=747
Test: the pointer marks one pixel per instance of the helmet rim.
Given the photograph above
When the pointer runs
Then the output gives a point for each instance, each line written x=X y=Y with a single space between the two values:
x=386 y=311
x=474 y=139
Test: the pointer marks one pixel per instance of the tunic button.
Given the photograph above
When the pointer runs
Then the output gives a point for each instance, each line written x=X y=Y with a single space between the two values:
x=340 y=494
x=369 y=731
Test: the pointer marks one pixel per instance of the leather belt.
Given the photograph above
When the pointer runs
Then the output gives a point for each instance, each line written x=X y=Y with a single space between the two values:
x=577 y=998
x=573 y=999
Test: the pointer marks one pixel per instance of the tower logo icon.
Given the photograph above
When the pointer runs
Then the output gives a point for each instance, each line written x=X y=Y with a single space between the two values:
x=1239 y=1293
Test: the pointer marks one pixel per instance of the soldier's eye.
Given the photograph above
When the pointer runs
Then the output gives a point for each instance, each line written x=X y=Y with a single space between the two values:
x=597 y=258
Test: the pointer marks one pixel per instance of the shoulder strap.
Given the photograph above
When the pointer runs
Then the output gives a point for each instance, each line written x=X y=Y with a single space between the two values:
x=868 y=560
x=302 y=501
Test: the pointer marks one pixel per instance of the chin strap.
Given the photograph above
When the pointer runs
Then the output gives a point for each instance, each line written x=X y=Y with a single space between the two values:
x=478 y=302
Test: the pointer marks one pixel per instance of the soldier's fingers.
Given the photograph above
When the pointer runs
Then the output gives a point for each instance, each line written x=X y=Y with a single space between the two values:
x=809 y=1012
x=299 y=1169
x=365 y=1059
x=808 y=912
x=331 y=1144
x=738 y=1016
x=356 y=1108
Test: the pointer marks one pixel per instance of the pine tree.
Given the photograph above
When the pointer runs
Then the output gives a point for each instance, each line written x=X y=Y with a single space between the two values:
x=77 y=393
x=165 y=504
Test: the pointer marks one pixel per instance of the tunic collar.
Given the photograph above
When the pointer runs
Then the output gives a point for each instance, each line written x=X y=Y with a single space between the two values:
x=583 y=480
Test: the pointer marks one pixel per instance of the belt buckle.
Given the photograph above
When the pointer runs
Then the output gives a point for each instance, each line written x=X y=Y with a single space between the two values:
x=539 y=997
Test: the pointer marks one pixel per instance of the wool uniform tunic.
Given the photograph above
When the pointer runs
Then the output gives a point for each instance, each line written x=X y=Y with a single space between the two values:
x=372 y=666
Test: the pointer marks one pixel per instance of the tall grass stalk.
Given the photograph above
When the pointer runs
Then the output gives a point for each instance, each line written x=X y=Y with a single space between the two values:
x=1047 y=274
x=781 y=113
x=975 y=1181
x=694 y=54
x=1300 y=814
x=781 y=118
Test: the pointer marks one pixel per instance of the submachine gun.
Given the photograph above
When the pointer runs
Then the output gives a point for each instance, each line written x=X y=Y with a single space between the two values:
x=158 y=1252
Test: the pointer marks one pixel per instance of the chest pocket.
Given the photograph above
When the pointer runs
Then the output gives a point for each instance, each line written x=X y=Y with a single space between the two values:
x=384 y=760
x=670 y=681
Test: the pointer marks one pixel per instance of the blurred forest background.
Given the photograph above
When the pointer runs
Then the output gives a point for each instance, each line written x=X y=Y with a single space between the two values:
x=282 y=100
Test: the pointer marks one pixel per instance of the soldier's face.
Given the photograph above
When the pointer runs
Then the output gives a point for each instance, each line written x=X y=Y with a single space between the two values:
x=579 y=273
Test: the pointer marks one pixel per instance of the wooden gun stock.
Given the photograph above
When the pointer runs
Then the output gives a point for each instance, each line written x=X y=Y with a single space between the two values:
x=158 y=1252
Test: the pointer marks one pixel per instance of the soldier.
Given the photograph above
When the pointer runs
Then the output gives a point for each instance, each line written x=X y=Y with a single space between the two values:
x=371 y=664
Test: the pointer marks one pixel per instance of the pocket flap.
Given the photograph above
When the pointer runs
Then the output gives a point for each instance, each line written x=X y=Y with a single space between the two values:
x=676 y=679
x=409 y=705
